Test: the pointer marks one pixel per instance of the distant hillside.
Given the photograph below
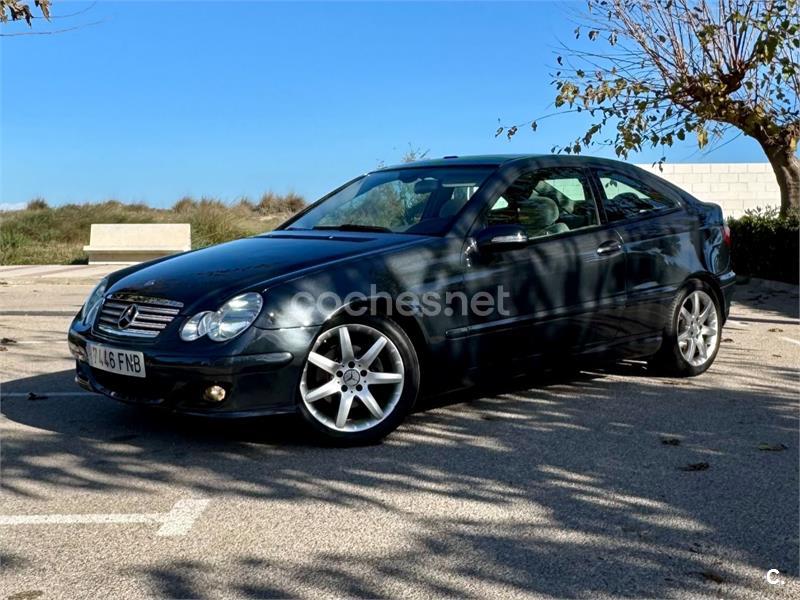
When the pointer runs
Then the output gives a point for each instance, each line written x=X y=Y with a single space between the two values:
x=40 y=234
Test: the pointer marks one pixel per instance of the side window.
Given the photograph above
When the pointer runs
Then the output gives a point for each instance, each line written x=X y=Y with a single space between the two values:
x=546 y=202
x=626 y=197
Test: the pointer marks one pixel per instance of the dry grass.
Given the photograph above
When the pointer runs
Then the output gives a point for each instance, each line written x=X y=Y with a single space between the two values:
x=40 y=234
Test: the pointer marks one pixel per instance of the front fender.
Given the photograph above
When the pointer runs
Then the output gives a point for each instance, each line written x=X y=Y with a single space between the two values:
x=394 y=280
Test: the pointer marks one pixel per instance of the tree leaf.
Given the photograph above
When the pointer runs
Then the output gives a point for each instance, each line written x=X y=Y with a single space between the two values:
x=772 y=447
x=699 y=466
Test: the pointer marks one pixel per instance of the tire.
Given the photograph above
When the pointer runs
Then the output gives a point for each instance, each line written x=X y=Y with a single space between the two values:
x=359 y=395
x=682 y=354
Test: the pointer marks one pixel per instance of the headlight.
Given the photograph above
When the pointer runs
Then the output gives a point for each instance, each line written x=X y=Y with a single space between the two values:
x=196 y=327
x=93 y=302
x=232 y=318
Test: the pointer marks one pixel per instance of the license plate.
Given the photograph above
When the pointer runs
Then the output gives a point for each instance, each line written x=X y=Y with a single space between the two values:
x=114 y=360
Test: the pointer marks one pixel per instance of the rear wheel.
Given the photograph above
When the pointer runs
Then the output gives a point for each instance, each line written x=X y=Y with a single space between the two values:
x=691 y=339
x=360 y=380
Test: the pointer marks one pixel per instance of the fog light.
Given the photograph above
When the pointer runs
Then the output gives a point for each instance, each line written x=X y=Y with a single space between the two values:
x=214 y=393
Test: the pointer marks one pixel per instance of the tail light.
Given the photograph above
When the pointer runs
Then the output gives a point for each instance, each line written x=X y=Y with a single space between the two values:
x=726 y=235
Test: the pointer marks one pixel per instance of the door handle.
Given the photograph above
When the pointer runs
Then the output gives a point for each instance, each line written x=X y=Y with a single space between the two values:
x=609 y=247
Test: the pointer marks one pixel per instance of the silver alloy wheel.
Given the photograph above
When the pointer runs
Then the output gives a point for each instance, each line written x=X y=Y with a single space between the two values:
x=698 y=328
x=350 y=378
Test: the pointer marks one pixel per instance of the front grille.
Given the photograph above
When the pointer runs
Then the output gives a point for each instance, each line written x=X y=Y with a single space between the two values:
x=147 y=318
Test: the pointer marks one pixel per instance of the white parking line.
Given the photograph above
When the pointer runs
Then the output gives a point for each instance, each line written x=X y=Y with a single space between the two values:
x=178 y=521
x=184 y=513
x=87 y=519
x=790 y=340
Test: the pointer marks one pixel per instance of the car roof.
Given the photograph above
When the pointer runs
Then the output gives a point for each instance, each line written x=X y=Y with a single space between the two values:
x=495 y=160
x=488 y=160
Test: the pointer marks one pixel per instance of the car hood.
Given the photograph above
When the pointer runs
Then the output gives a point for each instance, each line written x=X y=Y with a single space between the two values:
x=213 y=274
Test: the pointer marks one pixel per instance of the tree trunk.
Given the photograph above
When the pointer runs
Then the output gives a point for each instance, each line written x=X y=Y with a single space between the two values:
x=786 y=165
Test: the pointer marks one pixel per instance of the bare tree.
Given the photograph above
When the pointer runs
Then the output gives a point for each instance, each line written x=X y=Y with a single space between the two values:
x=414 y=153
x=672 y=68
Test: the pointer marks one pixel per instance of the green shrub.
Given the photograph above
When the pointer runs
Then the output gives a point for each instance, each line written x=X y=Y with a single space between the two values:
x=269 y=203
x=10 y=241
x=210 y=204
x=272 y=203
x=40 y=234
x=183 y=205
x=212 y=223
x=245 y=204
x=38 y=204
x=766 y=245
x=294 y=202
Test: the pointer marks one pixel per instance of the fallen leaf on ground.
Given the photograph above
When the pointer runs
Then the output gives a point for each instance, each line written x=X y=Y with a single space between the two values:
x=709 y=575
x=26 y=595
x=671 y=441
x=727 y=340
x=775 y=330
x=33 y=396
x=3 y=349
x=701 y=466
x=776 y=355
x=772 y=447
x=7 y=341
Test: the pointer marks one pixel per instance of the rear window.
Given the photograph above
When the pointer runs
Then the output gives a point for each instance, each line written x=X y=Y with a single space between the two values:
x=626 y=197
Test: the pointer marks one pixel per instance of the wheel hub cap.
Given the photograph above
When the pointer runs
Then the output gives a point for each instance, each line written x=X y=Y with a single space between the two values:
x=351 y=378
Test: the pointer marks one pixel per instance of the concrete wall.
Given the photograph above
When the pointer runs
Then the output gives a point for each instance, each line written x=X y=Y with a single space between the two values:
x=734 y=186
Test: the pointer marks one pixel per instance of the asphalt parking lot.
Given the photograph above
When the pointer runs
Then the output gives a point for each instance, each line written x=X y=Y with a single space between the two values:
x=557 y=485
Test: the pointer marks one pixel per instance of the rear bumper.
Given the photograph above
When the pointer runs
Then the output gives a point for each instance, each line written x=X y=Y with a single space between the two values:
x=255 y=384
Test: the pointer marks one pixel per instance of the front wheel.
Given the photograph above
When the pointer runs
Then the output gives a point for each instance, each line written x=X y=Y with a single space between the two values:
x=360 y=380
x=691 y=339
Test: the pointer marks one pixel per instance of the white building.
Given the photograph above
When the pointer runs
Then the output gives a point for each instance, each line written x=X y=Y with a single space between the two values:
x=736 y=187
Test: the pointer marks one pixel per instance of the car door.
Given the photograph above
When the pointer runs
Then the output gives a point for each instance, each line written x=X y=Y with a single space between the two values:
x=656 y=233
x=563 y=290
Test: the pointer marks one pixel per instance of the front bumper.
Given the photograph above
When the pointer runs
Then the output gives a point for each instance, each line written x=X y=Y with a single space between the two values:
x=255 y=384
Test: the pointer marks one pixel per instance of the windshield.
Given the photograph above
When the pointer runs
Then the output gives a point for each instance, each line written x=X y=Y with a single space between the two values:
x=420 y=201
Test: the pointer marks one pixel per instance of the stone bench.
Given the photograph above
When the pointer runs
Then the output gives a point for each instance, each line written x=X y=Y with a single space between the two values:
x=136 y=242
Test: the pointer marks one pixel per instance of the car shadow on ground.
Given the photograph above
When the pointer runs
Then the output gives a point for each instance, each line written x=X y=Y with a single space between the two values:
x=588 y=494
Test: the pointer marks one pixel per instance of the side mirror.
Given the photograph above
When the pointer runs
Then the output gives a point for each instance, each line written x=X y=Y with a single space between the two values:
x=498 y=238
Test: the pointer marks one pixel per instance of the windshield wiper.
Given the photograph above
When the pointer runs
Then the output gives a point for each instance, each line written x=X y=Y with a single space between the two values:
x=354 y=227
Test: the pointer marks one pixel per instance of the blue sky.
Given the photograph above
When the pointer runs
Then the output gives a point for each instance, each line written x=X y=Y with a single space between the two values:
x=162 y=100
